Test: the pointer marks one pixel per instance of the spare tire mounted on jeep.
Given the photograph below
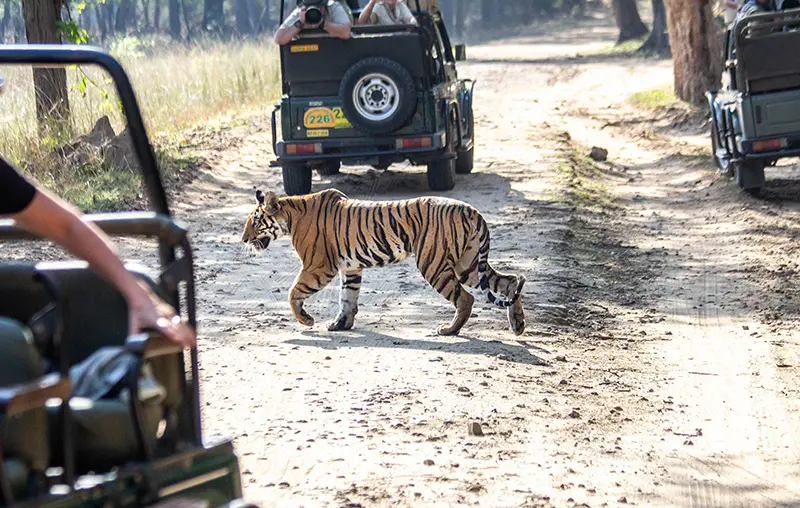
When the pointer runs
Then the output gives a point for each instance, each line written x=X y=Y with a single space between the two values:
x=378 y=95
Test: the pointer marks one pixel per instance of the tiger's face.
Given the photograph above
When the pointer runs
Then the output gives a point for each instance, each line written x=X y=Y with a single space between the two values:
x=263 y=223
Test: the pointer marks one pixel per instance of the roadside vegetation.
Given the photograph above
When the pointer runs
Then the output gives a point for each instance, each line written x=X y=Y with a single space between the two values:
x=176 y=86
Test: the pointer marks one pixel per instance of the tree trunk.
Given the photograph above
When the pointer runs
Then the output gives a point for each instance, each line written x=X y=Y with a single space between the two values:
x=658 y=42
x=628 y=21
x=121 y=24
x=146 y=15
x=696 y=48
x=157 y=15
x=19 y=24
x=244 y=18
x=213 y=16
x=101 y=21
x=175 y=19
x=186 y=20
x=50 y=85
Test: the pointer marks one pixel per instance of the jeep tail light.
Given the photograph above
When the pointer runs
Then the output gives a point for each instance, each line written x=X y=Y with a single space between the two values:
x=425 y=142
x=769 y=144
x=301 y=148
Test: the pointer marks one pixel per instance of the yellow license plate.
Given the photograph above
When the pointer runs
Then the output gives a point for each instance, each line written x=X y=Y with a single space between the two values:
x=318 y=133
x=304 y=48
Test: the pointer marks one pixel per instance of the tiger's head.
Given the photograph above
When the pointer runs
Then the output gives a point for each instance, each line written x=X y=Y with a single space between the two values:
x=264 y=224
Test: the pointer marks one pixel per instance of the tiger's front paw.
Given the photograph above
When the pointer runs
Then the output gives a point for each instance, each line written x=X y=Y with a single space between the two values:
x=304 y=318
x=447 y=330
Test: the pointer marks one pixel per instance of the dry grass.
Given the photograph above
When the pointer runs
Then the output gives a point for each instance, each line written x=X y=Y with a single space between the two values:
x=176 y=87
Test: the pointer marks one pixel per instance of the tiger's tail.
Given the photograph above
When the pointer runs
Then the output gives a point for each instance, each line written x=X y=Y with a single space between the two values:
x=501 y=290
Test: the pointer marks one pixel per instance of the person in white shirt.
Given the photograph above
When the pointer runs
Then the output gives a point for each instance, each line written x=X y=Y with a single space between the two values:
x=386 y=12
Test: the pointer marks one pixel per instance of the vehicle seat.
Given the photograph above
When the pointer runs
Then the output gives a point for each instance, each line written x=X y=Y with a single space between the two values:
x=25 y=448
x=757 y=74
x=95 y=315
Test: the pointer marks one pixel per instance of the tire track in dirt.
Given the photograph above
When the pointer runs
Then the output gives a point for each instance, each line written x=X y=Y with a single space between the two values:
x=725 y=434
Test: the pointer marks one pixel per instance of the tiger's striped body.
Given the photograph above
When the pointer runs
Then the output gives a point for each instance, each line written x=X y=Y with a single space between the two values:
x=333 y=234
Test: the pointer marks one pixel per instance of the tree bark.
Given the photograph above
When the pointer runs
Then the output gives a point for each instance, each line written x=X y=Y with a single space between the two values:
x=658 y=42
x=50 y=85
x=628 y=21
x=175 y=19
x=213 y=16
x=696 y=48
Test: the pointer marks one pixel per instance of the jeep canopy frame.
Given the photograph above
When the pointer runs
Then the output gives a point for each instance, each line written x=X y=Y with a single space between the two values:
x=158 y=224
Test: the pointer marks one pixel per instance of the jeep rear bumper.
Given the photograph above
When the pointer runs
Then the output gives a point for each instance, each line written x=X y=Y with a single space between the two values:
x=419 y=146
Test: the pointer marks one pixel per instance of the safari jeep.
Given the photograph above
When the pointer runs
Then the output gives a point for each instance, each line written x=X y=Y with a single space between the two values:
x=756 y=115
x=386 y=95
x=126 y=449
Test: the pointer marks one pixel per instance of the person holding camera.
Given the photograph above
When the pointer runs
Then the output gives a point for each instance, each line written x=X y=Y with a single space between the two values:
x=329 y=15
x=386 y=13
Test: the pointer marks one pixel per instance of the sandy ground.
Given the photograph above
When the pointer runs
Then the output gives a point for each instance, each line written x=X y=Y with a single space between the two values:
x=659 y=367
x=659 y=364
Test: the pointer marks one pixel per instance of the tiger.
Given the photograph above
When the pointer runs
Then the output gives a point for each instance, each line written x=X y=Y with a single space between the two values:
x=333 y=234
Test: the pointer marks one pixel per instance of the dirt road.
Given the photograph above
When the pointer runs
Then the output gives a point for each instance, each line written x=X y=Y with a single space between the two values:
x=660 y=363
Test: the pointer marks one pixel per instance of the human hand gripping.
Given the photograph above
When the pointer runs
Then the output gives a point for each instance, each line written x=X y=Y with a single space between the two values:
x=147 y=310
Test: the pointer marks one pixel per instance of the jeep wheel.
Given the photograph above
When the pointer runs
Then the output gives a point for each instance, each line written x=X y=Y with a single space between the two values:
x=378 y=95
x=296 y=178
x=465 y=161
x=442 y=175
x=328 y=168
x=749 y=175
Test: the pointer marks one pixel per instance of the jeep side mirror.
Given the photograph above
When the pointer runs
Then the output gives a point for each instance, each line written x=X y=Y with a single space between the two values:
x=461 y=52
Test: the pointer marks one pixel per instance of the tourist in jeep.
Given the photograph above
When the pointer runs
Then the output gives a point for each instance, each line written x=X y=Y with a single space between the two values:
x=330 y=15
x=386 y=13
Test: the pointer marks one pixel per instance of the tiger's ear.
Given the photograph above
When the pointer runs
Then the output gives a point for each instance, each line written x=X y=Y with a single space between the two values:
x=260 y=196
x=271 y=203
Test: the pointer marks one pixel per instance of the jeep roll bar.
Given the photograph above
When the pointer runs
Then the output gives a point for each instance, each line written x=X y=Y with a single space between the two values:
x=158 y=224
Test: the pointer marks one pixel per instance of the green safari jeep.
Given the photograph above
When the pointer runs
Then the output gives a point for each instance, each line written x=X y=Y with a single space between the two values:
x=756 y=115
x=386 y=95
x=125 y=449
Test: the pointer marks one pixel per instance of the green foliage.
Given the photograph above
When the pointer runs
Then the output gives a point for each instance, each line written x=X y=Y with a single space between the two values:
x=657 y=98
x=71 y=31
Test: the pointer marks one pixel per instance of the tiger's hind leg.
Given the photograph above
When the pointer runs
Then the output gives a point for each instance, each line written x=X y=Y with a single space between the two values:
x=348 y=300
x=507 y=287
x=447 y=284
x=307 y=283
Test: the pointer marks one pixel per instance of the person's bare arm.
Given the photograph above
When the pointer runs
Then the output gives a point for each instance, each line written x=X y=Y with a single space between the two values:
x=337 y=30
x=50 y=217
x=365 y=17
x=287 y=31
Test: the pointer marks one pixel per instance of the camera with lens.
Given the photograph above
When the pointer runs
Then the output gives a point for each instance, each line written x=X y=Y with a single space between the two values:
x=314 y=14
